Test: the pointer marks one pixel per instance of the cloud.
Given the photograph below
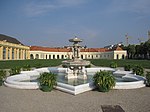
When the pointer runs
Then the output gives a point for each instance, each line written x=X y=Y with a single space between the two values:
x=36 y=8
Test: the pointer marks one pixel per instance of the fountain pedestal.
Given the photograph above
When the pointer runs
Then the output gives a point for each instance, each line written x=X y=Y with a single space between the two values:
x=76 y=66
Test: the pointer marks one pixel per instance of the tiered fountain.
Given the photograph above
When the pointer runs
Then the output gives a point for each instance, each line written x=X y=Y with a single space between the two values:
x=76 y=66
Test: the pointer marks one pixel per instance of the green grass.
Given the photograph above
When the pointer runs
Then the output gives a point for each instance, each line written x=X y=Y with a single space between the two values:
x=120 y=63
x=33 y=63
x=48 y=63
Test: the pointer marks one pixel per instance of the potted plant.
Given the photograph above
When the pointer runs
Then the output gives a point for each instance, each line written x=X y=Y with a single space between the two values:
x=2 y=76
x=148 y=79
x=104 y=81
x=138 y=70
x=47 y=81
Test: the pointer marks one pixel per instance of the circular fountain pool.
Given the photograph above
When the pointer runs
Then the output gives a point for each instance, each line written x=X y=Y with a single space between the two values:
x=26 y=80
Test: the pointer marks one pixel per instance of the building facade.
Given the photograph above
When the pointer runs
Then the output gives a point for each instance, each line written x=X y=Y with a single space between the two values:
x=12 y=49
x=37 y=52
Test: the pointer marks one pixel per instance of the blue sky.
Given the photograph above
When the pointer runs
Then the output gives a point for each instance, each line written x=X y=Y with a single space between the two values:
x=52 y=22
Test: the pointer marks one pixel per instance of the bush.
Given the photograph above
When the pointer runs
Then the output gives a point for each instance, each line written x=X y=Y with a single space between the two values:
x=113 y=65
x=127 y=67
x=148 y=79
x=138 y=70
x=2 y=76
x=104 y=81
x=15 y=70
x=88 y=66
x=38 y=65
x=47 y=81
x=26 y=68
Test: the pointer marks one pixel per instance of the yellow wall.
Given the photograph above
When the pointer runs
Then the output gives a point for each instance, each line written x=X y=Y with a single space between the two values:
x=11 y=51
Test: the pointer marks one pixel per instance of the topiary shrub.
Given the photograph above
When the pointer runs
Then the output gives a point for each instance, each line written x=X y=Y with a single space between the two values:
x=113 y=65
x=15 y=70
x=148 y=79
x=127 y=67
x=138 y=70
x=104 y=81
x=2 y=76
x=47 y=81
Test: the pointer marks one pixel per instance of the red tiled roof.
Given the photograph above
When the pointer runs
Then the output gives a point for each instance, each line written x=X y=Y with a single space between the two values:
x=38 y=48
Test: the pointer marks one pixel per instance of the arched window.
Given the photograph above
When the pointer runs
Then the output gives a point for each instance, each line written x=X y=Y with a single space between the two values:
x=49 y=56
x=57 y=56
x=117 y=56
x=62 y=56
x=123 y=57
x=81 y=56
x=31 y=56
x=53 y=56
x=37 y=56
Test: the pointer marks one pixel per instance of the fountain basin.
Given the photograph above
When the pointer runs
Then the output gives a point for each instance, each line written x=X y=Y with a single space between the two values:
x=22 y=81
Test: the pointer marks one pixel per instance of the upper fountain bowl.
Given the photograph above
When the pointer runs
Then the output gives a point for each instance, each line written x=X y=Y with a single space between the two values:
x=75 y=40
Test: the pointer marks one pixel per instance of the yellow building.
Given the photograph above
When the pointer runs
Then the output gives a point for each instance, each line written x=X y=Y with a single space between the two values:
x=38 y=52
x=12 y=49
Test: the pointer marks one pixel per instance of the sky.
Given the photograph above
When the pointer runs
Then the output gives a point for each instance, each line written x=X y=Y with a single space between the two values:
x=97 y=22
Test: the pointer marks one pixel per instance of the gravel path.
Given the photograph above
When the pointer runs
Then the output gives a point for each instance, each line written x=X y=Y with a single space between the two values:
x=15 y=100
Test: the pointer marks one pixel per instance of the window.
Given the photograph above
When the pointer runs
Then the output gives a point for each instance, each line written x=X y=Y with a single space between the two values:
x=62 y=56
x=12 y=53
x=31 y=56
x=37 y=56
x=123 y=57
x=117 y=56
x=57 y=56
x=81 y=56
x=53 y=56
x=4 y=53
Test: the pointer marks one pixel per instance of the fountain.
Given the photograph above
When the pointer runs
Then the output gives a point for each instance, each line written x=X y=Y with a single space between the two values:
x=76 y=66
x=75 y=78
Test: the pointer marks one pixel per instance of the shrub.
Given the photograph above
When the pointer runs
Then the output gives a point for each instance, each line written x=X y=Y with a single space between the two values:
x=104 y=81
x=2 y=76
x=38 y=65
x=113 y=65
x=88 y=66
x=127 y=67
x=15 y=70
x=26 y=68
x=148 y=79
x=138 y=70
x=47 y=81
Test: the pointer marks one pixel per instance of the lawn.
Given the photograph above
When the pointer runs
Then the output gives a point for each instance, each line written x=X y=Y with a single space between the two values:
x=44 y=63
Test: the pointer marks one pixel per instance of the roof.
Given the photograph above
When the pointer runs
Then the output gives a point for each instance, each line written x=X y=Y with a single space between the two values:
x=48 y=49
x=9 y=39
x=39 y=48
